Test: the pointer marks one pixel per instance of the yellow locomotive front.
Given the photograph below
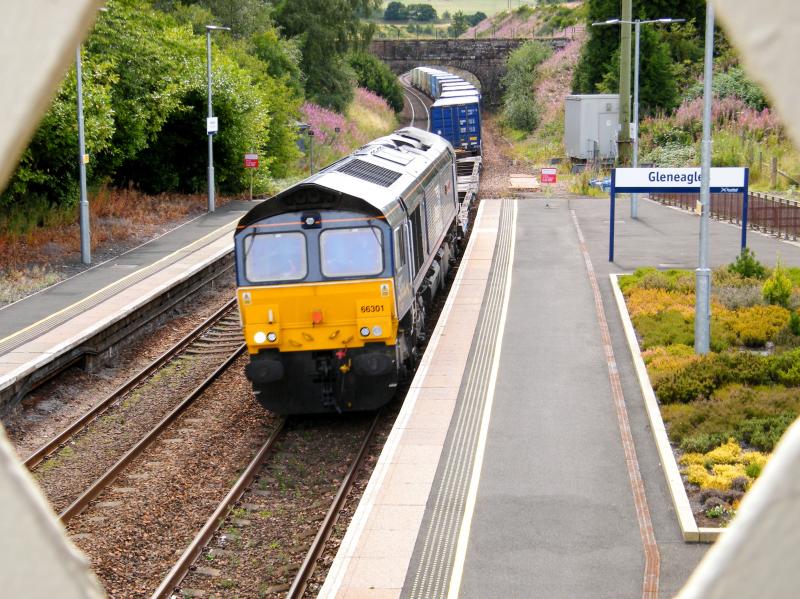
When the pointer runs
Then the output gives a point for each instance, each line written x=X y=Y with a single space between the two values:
x=316 y=294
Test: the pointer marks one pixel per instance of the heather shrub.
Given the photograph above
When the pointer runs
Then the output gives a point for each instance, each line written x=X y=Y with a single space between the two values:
x=778 y=287
x=681 y=281
x=734 y=297
x=723 y=468
x=665 y=328
x=652 y=301
x=794 y=322
x=747 y=266
x=756 y=416
x=663 y=361
x=764 y=432
x=756 y=325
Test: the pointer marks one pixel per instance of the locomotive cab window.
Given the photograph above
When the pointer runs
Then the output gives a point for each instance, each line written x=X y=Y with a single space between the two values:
x=275 y=257
x=356 y=252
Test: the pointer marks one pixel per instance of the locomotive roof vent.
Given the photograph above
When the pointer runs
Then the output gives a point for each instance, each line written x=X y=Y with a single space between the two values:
x=370 y=172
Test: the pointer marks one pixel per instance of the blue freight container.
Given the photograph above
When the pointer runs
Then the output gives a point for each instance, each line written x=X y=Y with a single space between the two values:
x=458 y=120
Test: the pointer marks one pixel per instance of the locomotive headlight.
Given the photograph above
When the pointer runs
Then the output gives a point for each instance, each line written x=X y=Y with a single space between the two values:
x=365 y=331
x=272 y=337
x=377 y=331
x=260 y=337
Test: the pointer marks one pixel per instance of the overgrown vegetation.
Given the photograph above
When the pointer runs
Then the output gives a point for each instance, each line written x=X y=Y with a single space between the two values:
x=144 y=91
x=520 y=110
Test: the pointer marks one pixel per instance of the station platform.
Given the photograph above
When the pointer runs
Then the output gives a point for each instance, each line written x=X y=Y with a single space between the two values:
x=522 y=463
x=58 y=323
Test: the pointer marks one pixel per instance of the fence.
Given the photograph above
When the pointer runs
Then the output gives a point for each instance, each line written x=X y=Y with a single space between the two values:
x=768 y=214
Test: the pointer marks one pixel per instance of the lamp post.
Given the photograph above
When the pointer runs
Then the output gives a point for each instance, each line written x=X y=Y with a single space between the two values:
x=637 y=28
x=86 y=248
x=211 y=129
x=702 y=310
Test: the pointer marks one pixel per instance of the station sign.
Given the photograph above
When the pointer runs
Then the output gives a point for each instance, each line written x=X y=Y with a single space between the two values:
x=549 y=175
x=251 y=161
x=212 y=125
x=634 y=180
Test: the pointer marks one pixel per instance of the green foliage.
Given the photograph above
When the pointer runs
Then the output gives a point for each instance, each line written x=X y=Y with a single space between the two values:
x=395 y=11
x=756 y=416
x=665 y=328
x=476 y=18
x=658 y=88
x=733 y=82
x=794 y=322
x=376 y=76
x=458 y=24
x=778 y=287
x=672 y=153
x=145 y=106
x=753 y=469
x=48 y=169
x=423 y=13
x=747 y=265
x=520 y=110
x=327 y=30
x=597 y=63
x=681 y=281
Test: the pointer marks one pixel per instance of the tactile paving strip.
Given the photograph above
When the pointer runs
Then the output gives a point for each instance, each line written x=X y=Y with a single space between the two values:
x=24 y=336
x=432 y=561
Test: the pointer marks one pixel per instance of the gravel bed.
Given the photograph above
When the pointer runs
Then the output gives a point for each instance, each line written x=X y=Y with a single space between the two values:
x=135 y=531
x=52 y=407
x=260 y=546
x=497 y=164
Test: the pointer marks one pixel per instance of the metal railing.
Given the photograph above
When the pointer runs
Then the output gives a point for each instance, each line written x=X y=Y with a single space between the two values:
x=766 y=213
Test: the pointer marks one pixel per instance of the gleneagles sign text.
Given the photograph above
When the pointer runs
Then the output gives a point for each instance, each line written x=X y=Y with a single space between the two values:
x=728 y=179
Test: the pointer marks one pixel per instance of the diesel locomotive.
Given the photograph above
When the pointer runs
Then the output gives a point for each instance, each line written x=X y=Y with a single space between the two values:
x=335 y=275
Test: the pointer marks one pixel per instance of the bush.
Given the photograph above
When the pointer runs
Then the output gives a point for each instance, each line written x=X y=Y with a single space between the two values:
x=756 y=325
x=794 y=323
x=375 y=75
x=747 y=266
x=733 y=83
x=665 y=328
x=778 y=287
x=765 y=432
x=674 y=154
x=520 y=110
x=650 y=278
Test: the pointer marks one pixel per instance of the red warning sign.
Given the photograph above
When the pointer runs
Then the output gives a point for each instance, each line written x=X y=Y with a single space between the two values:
x=251 y=161
x=549 y=175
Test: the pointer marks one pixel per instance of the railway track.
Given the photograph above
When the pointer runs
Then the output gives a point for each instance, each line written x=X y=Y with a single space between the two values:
x=76 y=464
x=256 y=549
x=415 y=98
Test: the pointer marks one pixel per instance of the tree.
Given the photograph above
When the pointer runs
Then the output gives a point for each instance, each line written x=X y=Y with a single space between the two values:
x=395 y=11
x=598 y=51
x=459 y=24
x=476 y=18
x=658 y=89
x=327 y=30
x=424 y=13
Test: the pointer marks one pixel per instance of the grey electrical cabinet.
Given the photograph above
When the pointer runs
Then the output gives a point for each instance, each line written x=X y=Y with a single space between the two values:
x=590 y=126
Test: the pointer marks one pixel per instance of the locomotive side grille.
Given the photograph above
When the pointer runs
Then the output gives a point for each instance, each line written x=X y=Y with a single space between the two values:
x=370 y=172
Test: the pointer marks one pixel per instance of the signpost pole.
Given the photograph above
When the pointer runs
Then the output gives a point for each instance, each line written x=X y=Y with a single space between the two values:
x=611 y=216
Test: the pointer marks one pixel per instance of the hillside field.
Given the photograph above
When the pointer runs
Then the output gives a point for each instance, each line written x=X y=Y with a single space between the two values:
x=489 y=7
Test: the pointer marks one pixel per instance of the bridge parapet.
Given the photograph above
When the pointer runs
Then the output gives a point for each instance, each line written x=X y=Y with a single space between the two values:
x=485 y=58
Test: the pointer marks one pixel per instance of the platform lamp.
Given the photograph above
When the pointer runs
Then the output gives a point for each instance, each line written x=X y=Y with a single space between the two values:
x=211 y=129
x=83 y=158
x=637 y=27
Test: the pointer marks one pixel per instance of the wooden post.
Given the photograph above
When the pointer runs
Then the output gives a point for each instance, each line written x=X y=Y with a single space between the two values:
x=773 y=176
x=760 y=162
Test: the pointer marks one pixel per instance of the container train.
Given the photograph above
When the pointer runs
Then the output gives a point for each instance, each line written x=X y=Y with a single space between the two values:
x=336 y=274
x=455 y=113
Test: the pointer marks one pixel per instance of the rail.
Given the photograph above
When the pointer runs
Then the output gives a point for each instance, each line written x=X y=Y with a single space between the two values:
x=78 y=425
x=766 y=213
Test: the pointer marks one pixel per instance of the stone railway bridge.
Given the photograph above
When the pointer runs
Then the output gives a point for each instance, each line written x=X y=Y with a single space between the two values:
x=484 y=58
